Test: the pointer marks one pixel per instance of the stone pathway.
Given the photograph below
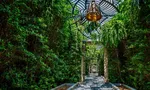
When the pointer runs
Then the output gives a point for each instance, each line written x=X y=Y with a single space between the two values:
x=94 y=82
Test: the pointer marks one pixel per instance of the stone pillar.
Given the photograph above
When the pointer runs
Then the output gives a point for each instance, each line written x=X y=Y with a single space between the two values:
x=106 y=64
x=83 y=63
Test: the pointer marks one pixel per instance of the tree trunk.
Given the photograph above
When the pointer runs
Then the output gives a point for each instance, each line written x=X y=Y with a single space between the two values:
x=106 y=64
x=82 y=67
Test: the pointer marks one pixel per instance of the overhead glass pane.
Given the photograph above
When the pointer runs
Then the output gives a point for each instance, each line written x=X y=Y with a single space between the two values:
x=107 y=8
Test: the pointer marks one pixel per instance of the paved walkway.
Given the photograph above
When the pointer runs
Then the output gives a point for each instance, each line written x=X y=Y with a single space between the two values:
x=94 y=82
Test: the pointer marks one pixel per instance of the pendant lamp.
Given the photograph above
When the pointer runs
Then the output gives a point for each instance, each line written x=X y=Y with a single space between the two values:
x=93 y=14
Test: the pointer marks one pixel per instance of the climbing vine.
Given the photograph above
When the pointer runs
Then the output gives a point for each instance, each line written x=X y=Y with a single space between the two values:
x=37 y=49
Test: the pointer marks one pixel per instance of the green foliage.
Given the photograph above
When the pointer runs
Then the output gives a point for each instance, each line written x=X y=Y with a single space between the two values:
x=134 y=69
x=138 y=54
x=113 y=32
x=37 y=49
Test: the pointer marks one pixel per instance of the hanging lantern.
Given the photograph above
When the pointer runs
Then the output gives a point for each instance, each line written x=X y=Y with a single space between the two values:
x=93 y=13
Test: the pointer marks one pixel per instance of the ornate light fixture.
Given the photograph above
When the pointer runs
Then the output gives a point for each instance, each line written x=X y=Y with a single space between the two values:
x=93 y=14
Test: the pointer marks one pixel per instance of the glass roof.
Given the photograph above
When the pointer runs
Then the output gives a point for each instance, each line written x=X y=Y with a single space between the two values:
x=108 y=9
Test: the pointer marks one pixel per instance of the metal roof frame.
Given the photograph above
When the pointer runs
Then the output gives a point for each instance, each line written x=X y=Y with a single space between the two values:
x=108 y=9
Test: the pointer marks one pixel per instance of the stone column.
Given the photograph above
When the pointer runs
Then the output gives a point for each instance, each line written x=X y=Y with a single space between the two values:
x=106 y=64
x=83 y=63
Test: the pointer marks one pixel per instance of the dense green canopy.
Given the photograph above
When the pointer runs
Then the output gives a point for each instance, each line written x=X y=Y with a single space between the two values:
x=40 y=48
